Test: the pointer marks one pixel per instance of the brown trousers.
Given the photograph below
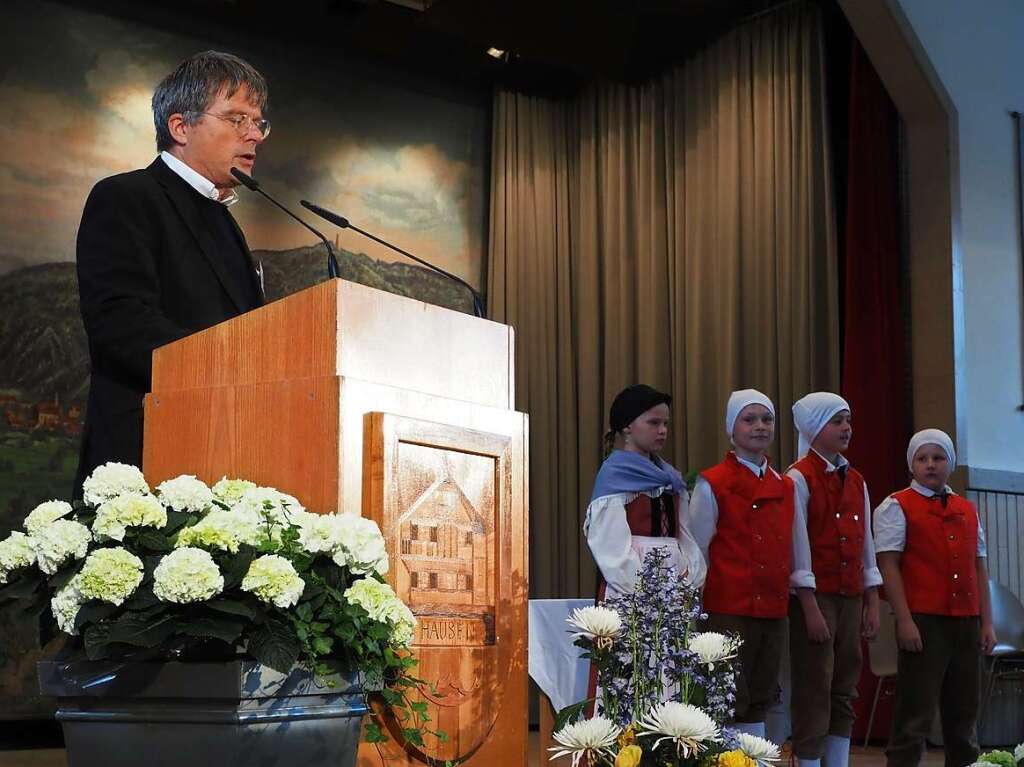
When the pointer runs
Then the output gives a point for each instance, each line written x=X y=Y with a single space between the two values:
x=946 y=673
x=824 y=674
x=760 y=656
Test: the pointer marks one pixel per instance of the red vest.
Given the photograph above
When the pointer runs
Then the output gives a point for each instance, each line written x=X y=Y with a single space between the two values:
x=749 y=557
x=835 y=526
x=939 y=555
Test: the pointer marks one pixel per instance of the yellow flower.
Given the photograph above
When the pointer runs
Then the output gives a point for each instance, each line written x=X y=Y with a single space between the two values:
x=629 y=756
x=627 y=738
x=735 y=758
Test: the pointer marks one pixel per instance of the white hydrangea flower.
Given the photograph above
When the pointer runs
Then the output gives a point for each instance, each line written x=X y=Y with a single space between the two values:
x=65 y=605
x=356 y=543
x=689 y=727
x=17 y=550
x=223 y=530
x=111 y=575
x=1018 y=753
x=111 y=480
x=185 y=493
x=45 y=513
x=62 y=540
x=404 y=627
x=712 y=647
x=588 y=741
x=230 y=491
x=761 y=750
x=114 y=516
x=379 y=600
x=267 y=501
x=273 y=579
x=595 y=622
x=187 y=575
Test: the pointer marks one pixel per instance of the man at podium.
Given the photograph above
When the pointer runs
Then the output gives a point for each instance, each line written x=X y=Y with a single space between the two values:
x=159 y=254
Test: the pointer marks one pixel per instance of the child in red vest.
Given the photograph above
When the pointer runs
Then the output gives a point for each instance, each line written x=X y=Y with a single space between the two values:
x=835 y=578
x=741 y=516
x=931 y=551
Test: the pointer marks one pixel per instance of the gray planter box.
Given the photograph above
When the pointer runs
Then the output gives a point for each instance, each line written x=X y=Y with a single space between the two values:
x=196 y=714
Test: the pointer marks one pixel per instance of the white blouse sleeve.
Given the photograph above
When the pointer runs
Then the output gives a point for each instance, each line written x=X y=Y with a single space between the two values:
x=701 y=518
x=609 y=538
x=693 y=557
x=890 y=526
x=872 y=575
x=801 y=574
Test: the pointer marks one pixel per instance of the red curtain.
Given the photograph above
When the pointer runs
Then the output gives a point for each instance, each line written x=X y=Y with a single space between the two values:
x=874 y=378
x=874 y=347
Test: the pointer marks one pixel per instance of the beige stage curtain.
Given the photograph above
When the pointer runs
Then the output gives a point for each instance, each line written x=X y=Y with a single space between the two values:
x=679 y=234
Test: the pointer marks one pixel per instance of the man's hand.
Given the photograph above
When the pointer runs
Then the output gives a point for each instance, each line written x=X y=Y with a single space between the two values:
x=907 y=636
x=988 y=638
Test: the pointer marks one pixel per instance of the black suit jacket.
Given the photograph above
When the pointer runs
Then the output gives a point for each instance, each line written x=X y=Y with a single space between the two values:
x=149 y=272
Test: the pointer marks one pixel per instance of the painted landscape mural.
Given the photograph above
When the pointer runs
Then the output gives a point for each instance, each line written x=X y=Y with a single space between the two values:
x=404 y=165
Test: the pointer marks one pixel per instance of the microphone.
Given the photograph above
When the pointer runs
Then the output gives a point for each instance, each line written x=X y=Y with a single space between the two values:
x=252 y=184
x=344 y=223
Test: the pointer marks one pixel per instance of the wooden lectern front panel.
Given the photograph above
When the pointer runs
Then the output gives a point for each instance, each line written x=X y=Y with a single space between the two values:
x=442 y=495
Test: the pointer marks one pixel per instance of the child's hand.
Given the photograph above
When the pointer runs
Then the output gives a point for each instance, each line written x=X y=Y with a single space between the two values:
x=870 y=620
x=907 y=636
x=988 y=638
x=817 y=628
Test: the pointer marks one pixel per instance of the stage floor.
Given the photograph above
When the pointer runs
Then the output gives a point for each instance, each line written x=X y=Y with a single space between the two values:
x=54 y=757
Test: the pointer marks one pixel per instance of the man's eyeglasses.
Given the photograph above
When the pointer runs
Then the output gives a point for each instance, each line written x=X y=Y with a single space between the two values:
x=243 y=123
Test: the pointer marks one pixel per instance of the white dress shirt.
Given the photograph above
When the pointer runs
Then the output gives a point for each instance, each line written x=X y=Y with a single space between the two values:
x=803 y=576
x=891 y=523
x=701 y=517
x=198 y=181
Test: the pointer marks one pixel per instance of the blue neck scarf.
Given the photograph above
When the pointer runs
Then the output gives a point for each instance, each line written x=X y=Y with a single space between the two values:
x=627 y=472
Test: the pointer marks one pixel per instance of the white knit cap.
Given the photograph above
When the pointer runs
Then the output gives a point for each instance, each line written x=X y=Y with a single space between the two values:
x=811 y=413
x=739 y=400
x=931 y=437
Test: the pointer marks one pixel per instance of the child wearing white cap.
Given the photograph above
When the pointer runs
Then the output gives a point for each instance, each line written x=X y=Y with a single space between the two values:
x=835 y=579
x=741 y=516
x=931 y=551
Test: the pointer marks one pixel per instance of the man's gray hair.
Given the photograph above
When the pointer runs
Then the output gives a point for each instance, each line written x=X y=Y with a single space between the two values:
x=195 y=84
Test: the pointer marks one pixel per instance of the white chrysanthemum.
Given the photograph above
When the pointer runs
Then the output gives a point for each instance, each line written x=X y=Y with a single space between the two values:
x=185 y=493
x=712 y=647
x=230 y=491
x=65 y=605
x=689 y=727
x=187 y=575
x=17 y=550
x=60 y=541
x=114 y=517
x=267 y=501
x=223 y=530
x=595 y=622
x=1018 y=753
x=761 y=750
x=111 y=575
x=45 y=513
x=111 y=480
x=273 y=579
x=587 y=741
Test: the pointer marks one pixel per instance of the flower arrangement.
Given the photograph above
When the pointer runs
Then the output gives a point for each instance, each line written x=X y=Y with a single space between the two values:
x=1002 y=758
x=188 y=571
x=665 y=690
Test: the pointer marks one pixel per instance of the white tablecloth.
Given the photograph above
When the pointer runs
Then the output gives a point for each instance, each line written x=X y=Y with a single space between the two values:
x=555 y=663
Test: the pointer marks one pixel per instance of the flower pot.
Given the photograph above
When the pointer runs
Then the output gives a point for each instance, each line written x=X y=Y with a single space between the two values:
x=194 y=714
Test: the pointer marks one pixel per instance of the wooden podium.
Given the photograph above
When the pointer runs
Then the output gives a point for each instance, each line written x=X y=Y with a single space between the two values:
x=353 y=399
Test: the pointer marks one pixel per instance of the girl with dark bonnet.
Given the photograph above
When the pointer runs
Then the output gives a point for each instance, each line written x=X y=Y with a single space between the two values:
x=639 y=499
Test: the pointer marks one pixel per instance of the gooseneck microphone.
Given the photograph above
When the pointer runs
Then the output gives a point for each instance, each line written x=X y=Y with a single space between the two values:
x=344 y=223
x=250 y=183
